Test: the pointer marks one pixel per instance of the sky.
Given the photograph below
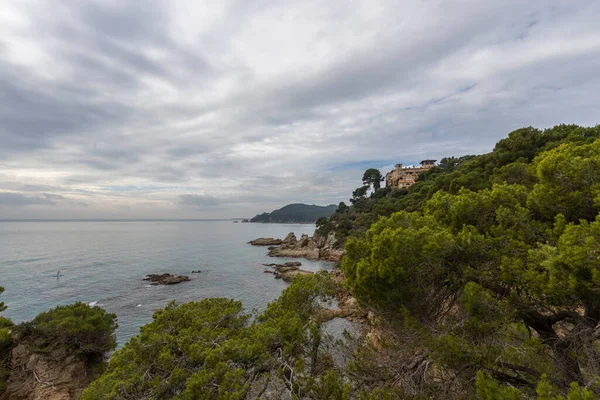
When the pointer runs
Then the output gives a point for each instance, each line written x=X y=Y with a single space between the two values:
x=222 y=109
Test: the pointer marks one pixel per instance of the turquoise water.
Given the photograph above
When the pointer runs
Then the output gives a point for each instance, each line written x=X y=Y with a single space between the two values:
x=103 y=264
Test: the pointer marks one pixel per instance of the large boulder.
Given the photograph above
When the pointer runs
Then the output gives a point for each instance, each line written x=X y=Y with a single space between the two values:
x=303 y=242
x=290 y=240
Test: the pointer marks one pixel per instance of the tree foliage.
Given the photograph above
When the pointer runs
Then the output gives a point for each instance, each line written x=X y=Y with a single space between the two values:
x=6 y=342
x=499 y=279
x=77 y=328
x=372 y=178
x=210 y=350
x=2 y=306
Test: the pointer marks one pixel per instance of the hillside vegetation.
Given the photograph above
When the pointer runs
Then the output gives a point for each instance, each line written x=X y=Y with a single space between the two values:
x=510 y=162
x=296 y=213
x=487 y=269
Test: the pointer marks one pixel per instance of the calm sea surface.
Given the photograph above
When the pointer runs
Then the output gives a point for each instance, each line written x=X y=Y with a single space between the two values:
x=104 y=262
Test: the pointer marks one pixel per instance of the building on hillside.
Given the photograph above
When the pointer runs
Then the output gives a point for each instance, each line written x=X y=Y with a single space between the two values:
x=402 y=177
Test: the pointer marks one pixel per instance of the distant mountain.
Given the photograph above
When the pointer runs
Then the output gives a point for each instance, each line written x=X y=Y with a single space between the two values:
x=296 y=213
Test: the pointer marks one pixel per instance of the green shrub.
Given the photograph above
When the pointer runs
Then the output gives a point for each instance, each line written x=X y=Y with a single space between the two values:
x=77 y=327
x=209 y=349
x=5 y=347
x=5 y=340
x=2 y=306
x=5 y=322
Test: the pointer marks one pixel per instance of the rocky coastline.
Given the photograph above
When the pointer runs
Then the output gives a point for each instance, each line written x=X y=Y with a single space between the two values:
x=312 y=248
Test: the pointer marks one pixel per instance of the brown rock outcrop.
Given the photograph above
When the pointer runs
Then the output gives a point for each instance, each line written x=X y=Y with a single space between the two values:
x=53 y=376
x=348 y=307
x=312 y=248
x=328 y=250
x=305 y=247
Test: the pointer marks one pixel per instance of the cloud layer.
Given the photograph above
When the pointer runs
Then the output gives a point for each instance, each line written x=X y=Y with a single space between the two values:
x=218 y=109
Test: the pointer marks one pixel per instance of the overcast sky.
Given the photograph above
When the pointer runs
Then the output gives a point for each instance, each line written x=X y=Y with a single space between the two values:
x=175 y=109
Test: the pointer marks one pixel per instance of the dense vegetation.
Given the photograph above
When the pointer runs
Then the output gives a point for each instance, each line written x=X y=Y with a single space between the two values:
x=210 y=350
x=509 y=162
x=78 y=328
x=488 y=269
x=296 y=213
x=5 y=345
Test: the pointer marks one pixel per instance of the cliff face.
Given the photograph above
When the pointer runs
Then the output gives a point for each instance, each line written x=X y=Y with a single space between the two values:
x=328 y=250
x=52 y=376
x=312 y=248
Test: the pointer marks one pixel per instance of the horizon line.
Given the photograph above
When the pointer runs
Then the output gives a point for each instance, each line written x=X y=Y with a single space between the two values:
x=113 y=219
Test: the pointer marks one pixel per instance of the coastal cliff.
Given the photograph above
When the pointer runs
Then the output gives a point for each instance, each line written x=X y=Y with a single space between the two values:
x=56 y=375
x=57 y=354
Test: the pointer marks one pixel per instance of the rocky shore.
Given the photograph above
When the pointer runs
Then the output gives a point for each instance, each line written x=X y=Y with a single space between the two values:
x=312 y=248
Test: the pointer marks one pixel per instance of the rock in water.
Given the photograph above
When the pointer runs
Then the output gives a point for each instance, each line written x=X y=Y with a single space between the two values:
x=312 y=248
x=166 y=279
x=265 y=242
x=287 y=271
x=287 y=264
x=306 y=247
x=291 y=274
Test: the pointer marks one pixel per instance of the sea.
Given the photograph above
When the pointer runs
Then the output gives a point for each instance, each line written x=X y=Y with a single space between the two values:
x=103 y=263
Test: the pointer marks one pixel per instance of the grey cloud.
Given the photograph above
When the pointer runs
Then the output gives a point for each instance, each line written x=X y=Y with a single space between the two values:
x=117 y=32
x=53 y=197
x=198 y=200
x=19 y=200
x=35 y=113
x=267 y=106
x=102 y=51
x=40 y=188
